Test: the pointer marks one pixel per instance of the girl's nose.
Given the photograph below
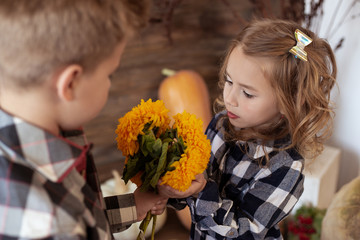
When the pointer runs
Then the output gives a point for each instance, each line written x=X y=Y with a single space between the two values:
x=231 y=97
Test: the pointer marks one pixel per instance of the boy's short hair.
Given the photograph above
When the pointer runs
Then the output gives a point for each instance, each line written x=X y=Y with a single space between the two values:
x=38 y=37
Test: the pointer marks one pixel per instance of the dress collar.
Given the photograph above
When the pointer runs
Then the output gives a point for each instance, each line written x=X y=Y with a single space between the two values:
x=258 y=149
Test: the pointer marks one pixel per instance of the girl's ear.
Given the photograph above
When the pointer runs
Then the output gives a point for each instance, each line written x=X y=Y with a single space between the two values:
x=67 y=81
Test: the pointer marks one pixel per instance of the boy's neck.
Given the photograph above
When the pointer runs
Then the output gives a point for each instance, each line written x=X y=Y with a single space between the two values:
x=34 y=106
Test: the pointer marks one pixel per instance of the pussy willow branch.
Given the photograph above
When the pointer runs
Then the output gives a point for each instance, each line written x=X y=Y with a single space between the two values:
x=168 y=17
x=260 y=7
x=316 y=9
x=331 y=23
x=289 y=9
x=234 y=12
x=341 y=22
x=167 y=8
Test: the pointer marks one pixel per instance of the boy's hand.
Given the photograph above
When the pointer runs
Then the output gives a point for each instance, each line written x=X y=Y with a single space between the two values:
x=146 y=201
x=197 y=186
x=159 y=207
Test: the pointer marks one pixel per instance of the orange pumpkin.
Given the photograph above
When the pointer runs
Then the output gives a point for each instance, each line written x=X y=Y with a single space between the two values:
x=186 y=90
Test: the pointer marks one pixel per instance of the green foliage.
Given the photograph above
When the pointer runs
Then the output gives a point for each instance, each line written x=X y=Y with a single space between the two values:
x=155 y=157
x=305 y=223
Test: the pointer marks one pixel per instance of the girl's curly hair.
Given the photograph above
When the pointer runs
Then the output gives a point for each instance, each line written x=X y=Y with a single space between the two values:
x=302 y=88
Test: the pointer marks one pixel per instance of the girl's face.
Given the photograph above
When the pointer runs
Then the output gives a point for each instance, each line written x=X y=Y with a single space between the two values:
x=249 y=98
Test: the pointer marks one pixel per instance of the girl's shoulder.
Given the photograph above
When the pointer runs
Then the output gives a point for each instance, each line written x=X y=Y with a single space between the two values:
x=282 y=147
x=214 y=123
x=275 y=154
x=288 y=158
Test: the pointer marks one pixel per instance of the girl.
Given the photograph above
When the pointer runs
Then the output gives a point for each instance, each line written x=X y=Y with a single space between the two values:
x=274 y=111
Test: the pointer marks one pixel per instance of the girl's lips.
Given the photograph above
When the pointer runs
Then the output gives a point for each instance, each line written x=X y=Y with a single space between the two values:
x=231 y=115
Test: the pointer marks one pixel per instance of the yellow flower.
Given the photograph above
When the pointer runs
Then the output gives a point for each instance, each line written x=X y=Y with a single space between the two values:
x=132 y=124
x=148 y=156
x=196 y=156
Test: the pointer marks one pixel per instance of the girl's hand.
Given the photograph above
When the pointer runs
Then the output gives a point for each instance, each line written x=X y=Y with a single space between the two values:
x=197 y=186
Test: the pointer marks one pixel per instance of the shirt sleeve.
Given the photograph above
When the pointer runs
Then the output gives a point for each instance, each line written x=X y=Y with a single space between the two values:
x=177 y=203
x=253 y=212
x=121 y=211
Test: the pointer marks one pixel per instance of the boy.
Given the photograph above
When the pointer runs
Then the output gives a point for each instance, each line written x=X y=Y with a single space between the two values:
x=55 y=62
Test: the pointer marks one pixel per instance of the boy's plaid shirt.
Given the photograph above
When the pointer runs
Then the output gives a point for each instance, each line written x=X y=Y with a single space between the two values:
x=242 y=200
x=42 y=193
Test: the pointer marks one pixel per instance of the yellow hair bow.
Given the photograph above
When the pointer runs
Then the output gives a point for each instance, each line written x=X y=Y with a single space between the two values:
x=302 y=41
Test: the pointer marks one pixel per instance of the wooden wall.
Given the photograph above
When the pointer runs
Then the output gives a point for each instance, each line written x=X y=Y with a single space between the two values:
x=201 y=32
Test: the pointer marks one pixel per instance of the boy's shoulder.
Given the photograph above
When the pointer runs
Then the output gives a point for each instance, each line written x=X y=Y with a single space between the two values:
x=35 y=148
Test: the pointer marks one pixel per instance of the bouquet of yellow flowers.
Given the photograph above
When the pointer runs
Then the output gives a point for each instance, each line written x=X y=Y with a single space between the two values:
x=155 y=150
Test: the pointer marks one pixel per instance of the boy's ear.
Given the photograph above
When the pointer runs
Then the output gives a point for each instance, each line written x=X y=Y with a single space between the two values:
x=67 y=81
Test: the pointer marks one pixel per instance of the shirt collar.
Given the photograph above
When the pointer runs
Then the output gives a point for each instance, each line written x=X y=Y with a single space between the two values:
x=257 y=149
x=52 y=156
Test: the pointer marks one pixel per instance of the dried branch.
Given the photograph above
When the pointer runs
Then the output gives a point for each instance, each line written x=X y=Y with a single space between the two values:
x=289 y=9
x=260 y=8
x=234 y=12
x=315 y=8
x=340 y=43
x=341 y=22
x=167 y=8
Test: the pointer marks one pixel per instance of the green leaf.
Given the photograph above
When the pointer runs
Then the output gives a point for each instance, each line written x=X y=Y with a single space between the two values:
x=172 y=160
x=168 y=134
x=161 y=165
x=133 y=166
x=147 y=126
x=147 y=142
x=174 y=133
x=150 y=171
x=182 y=145
x=167 y=140
x=169 y=169
x=157 y=146
x=174 y=154
x=173 y=149
x=143 y=149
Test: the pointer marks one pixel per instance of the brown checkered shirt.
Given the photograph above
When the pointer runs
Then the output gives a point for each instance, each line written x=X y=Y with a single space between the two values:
x=42 y=193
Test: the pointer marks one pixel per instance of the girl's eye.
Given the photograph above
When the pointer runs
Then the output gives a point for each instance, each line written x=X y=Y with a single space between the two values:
x=228 y=80
x=247 y=94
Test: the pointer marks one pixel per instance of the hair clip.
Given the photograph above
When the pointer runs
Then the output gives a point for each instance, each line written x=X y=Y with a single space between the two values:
x=302 y=41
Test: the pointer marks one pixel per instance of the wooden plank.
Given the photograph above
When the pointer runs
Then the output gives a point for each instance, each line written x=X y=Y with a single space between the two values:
x=201 y=32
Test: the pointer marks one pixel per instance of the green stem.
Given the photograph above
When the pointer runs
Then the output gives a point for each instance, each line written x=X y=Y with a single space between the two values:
x=144 y=224
x=168 y=72
x=153 y=227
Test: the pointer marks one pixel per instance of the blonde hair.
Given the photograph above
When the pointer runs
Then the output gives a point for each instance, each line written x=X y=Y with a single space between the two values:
x=302 y=88
x=40 y=36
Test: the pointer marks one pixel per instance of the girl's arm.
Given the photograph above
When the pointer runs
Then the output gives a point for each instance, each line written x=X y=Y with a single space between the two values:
x=248 y=212
x=177 y=199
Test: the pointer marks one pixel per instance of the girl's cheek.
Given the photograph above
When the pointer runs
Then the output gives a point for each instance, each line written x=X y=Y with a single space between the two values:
x=225 y=94
x=248 y=106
